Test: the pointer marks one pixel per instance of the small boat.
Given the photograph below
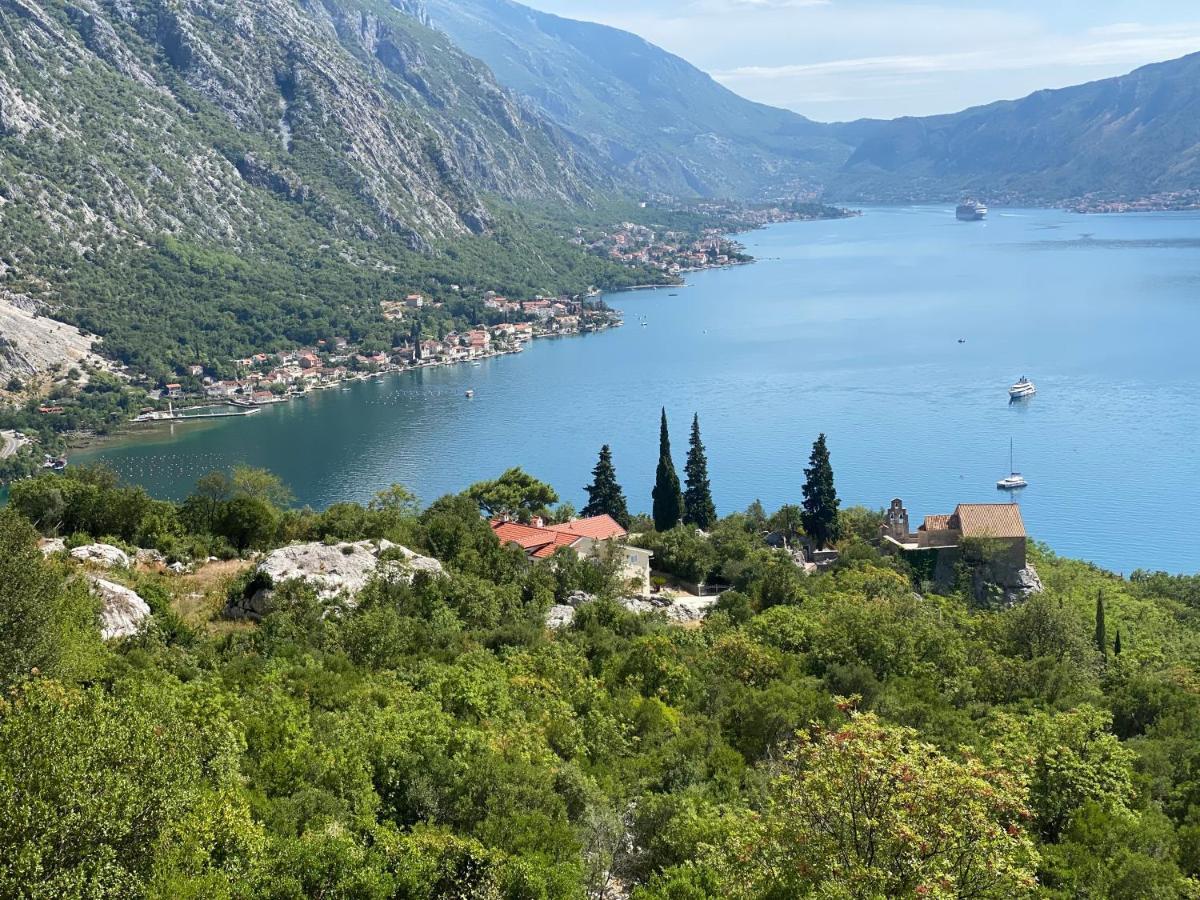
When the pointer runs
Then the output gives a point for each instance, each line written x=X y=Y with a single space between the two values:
x=470 y=393
x=962 y=340
x=476 y=365
x=1023 y=388
x=1015 y=480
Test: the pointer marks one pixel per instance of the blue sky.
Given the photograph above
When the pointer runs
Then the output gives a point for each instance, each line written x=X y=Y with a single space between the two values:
x=843 y=59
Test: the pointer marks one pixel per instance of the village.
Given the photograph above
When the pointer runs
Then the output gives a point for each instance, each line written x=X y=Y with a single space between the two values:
x=671 y=252
x=266 y=378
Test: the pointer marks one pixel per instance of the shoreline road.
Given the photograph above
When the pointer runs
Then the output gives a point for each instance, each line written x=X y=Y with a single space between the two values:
x=11 y=442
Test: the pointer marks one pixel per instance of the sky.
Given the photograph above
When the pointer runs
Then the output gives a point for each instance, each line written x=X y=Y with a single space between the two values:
x=835 y=60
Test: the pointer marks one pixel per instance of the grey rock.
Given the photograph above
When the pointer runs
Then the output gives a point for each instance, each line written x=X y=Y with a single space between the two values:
x=122 y=611
x=105 y=556
x=334 y=571
x=578 y=598
x=50 y=546
x=560 y=616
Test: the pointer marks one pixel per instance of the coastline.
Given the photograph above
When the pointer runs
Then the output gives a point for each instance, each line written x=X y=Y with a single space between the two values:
x=134 y=430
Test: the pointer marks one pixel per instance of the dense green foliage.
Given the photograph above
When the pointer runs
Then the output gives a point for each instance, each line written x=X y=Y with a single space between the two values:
x=820 y=515
x=698 y=507
x=666 y=494
x=605 y=496
x=834 y=734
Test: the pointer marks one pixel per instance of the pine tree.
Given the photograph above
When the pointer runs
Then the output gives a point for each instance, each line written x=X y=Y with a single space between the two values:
x=605 y=496
x=820 y=516
x=698 y=507
x=1117 y=643
x=1101 y=635
x=668 y=501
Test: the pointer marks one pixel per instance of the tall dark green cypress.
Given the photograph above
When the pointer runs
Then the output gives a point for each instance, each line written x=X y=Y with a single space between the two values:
x=605 y=496
x=820 y=515
x=668 y=501
x=698 y=507
x=1101 y=634
x=1117 y=643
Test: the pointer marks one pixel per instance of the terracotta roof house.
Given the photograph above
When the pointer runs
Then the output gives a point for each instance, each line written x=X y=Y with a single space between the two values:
x=600 y=528
x=989 y=537
x=542 y=541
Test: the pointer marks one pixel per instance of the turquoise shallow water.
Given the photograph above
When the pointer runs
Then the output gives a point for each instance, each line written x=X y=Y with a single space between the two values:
x=848 y=327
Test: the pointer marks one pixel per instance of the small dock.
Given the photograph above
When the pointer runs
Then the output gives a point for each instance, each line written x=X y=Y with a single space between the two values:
x=185 y=417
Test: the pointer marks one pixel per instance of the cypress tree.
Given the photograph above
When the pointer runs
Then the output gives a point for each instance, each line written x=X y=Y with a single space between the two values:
x=1101 y=635
x=820 y=515
x=668 y=501
x=1117 y=643
x=698 y=507
x=605 y=496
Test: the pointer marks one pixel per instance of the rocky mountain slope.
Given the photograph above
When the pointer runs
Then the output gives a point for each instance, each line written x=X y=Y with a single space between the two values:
x=197 y=113
x=285 y=126
x=1126 y=137
x=651 y=114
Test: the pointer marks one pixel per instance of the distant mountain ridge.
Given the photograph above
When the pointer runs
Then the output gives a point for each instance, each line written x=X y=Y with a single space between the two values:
x=669 y=126
x=1130 y=136
x=654 y=117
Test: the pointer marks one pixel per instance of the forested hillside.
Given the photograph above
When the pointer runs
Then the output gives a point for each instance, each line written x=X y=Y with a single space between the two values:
x=188 y=176
x=844 y=734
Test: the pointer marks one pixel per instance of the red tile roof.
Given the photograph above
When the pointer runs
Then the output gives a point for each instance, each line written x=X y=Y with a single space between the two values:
x=992 y=520
x=599 y=528
x=537 y=542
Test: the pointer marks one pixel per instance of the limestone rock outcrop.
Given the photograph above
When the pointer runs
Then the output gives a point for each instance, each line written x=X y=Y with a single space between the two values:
x=105 y=556
x=332 y=570
x=122 y=612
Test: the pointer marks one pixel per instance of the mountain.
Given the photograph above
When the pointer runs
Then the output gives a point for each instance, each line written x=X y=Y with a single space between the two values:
x=1127 y=137
x=208 y=140
x=655 y=117
x=198 y=114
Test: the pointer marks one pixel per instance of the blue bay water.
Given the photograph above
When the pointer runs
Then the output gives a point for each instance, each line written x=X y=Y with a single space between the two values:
x=848 y=327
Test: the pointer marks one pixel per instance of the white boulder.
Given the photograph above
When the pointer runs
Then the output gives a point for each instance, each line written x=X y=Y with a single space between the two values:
x=332 y=570
x=106 y=556
x=560 y=616
x=122 y=612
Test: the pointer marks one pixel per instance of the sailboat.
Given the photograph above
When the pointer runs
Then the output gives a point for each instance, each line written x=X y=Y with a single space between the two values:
x=1015 y=480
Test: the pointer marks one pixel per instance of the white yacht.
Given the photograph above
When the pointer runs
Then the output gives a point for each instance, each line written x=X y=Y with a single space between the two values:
x=1015 y=480
x=1023 y=388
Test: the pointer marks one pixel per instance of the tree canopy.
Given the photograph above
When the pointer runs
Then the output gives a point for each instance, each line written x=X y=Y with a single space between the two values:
x=605 y=496
x=667 y=497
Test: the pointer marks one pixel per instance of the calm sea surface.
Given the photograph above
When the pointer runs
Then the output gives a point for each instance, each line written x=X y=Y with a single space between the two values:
x=849 y=327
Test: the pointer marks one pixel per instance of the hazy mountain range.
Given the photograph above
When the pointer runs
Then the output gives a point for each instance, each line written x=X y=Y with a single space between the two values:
x=675 y=129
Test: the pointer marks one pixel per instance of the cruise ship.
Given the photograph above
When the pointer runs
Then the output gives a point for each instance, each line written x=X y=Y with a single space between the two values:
x=970 y=211
x=1023 y=388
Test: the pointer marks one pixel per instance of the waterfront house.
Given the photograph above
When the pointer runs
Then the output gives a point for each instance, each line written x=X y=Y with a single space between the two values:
x=309 y=360
x=587 y=537
x=174 y=390
x=480 y=339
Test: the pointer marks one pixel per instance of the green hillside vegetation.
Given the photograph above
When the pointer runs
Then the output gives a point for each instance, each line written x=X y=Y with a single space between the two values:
x=194 y=181
x=833 y=735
